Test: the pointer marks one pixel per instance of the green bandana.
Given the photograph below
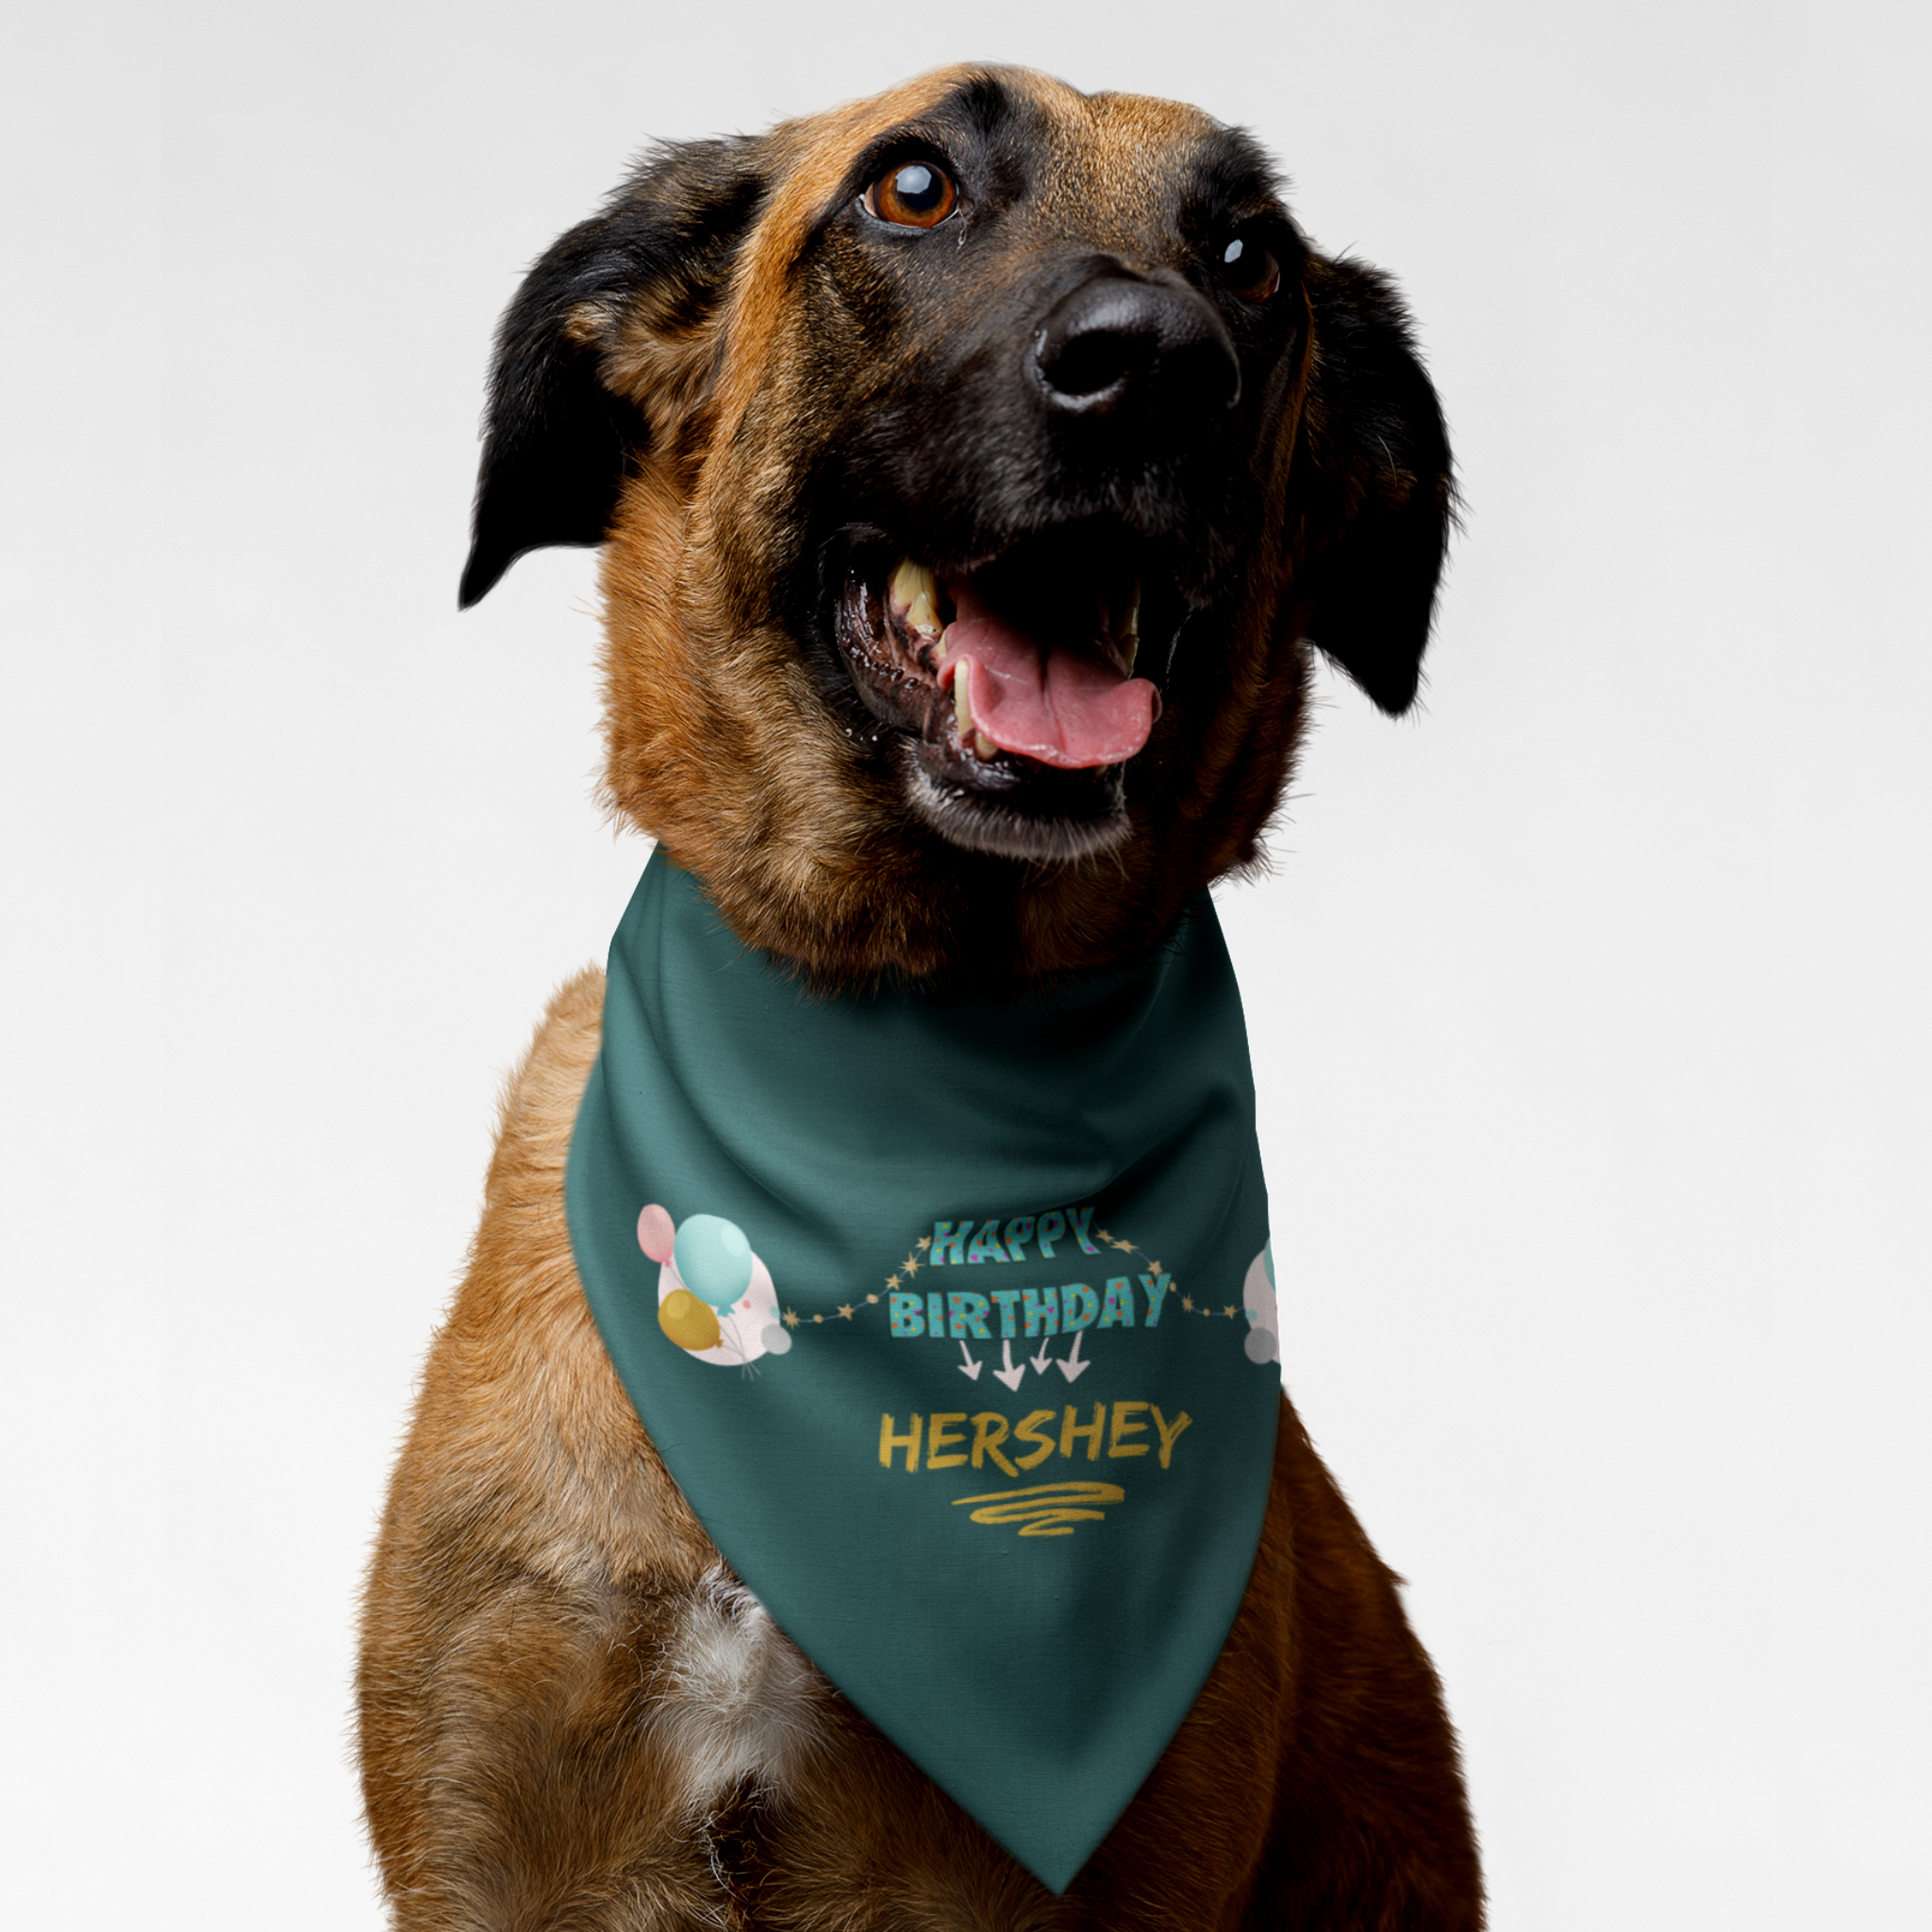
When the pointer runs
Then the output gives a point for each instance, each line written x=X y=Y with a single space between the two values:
x=953 y=1318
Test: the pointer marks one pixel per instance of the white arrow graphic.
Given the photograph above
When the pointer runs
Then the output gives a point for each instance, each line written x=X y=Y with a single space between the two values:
x=1073 y=1368
x=1042 y=1361
x=969 y=1367
x=1012 y=1376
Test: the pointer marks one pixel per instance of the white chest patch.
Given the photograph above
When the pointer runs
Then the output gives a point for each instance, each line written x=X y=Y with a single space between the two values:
x=735 y=1700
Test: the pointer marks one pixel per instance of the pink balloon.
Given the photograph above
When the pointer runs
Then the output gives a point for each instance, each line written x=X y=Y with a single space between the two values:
x=656 y=1233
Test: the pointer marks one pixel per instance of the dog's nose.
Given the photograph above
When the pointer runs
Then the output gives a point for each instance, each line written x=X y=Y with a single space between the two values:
x=1119 y=345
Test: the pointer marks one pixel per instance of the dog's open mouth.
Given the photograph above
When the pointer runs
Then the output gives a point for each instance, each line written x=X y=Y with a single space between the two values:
x=1012 y=686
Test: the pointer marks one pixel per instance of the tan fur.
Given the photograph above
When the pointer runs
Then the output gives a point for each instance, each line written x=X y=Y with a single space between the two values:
x=526 y=1736
x=572 y=1714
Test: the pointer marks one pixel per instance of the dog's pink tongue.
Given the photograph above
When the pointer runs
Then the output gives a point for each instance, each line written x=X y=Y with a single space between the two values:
x=1058 y=707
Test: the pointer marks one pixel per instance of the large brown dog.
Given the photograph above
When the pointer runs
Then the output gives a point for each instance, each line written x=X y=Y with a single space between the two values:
x=981 y=344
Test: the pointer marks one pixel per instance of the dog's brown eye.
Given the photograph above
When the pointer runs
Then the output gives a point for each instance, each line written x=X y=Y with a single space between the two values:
x=915 y=194
x=1250 y=269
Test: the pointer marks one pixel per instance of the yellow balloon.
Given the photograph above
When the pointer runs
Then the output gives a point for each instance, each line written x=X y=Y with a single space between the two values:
x=689 y=1322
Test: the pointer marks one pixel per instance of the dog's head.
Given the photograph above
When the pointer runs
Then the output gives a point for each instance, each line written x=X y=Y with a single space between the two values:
x=973 y=465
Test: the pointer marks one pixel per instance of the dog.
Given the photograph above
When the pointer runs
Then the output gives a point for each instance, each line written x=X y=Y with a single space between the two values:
x=982 y=350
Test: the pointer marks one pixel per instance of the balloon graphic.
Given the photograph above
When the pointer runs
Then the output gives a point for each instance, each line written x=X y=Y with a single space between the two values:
x=656 y=1233
x=689 y=1322
x=713 y=1259
x=1262 y=1342
x=715 y=1298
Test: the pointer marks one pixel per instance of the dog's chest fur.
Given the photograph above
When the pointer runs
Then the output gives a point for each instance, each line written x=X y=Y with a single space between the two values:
x=573 y=1715
x=605 y=1538
x=733 y=1703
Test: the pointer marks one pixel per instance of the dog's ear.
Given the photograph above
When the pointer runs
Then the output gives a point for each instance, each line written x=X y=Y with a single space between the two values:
x=1377 y=498
x=570 y=402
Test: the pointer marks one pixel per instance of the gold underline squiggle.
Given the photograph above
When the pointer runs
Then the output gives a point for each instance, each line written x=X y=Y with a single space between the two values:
x=1048 y=1509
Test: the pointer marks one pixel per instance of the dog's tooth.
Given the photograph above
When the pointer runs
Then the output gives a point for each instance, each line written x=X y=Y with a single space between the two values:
x=983 y=747
x=915 y=590
x=1130 y=634
x=963 y=702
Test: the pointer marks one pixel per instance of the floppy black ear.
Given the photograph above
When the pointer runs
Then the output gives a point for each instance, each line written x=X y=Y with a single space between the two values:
x=559 y=441
x=1380 y=496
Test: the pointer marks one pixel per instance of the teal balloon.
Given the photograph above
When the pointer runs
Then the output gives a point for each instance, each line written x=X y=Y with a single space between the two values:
x=713 y=1259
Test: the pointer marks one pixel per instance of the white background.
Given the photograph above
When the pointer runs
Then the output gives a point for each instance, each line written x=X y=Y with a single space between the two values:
x=1587 y=1004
